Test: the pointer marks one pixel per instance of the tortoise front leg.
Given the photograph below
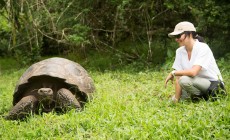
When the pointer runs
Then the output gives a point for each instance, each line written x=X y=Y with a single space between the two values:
x=23 y=108
x=65 y=99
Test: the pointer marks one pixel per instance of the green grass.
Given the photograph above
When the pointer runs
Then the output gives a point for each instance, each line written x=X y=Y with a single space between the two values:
x=128 y=104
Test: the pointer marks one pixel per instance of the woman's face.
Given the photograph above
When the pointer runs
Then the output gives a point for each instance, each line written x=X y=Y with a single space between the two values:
x=180 y=39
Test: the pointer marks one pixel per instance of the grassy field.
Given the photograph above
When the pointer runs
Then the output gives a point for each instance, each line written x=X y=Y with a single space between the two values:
x=128 y=104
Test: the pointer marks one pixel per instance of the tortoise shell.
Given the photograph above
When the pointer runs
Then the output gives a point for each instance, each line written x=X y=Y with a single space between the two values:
x=60 y=69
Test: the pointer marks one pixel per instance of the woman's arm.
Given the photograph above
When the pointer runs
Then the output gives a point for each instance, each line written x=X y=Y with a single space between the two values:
x=190 y=72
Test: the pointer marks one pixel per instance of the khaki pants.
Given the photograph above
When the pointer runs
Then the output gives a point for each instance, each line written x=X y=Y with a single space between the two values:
x=193 y=86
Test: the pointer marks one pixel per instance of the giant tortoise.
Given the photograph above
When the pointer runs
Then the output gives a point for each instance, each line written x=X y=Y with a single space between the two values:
x=51 y=84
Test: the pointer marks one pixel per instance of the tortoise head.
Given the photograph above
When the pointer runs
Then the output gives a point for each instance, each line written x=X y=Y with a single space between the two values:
x=45 y=95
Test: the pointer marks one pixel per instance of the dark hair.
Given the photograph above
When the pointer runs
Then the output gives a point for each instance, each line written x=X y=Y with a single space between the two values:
x=194 y=35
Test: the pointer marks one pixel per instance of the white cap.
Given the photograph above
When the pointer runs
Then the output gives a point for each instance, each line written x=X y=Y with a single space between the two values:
x=181 y=27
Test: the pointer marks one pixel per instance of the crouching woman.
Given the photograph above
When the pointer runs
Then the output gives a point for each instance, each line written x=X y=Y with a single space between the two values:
x=195 y=68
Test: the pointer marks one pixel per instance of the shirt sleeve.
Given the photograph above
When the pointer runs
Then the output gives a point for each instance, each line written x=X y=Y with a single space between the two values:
x=203 y=58
x=177 y=61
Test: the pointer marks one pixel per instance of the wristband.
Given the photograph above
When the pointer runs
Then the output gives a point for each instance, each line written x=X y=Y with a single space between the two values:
x=173 y=73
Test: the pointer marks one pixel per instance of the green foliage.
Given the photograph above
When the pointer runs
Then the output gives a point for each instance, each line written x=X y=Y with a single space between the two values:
x=4 y=34
x=4 y=25
x=224 y=62
x=79 y=36
x=128 y=104
x=4 y=47
x=8 y=65
x=153 y=53
x=25 y=58
x=39 y=28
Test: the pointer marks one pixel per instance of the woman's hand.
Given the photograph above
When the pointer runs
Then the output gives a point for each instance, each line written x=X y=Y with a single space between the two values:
x=169 y=77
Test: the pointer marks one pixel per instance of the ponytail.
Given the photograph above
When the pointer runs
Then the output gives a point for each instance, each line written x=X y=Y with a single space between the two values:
x=200 y=38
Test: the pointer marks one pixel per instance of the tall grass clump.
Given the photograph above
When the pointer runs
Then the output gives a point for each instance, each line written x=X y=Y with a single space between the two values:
x=128 y=104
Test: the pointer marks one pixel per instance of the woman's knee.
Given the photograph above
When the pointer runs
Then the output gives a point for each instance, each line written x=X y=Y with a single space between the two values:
x=201 y=83
x=185 y=81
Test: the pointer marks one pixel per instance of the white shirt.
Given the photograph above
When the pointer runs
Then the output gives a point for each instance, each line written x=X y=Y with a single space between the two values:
x=201 y=55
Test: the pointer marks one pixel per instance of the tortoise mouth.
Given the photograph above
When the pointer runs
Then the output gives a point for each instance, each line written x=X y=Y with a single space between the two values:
x=45 y=92
x=45 y=95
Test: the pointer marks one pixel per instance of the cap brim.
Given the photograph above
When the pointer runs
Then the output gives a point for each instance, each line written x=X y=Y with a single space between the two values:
x=174 y=33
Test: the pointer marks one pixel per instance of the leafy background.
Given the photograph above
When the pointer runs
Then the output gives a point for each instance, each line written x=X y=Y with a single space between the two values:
x=132 y=30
